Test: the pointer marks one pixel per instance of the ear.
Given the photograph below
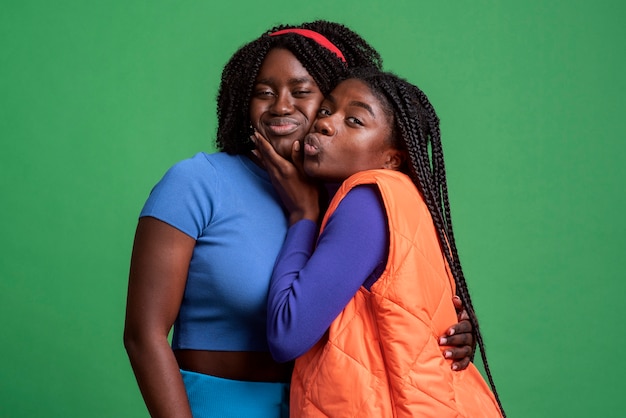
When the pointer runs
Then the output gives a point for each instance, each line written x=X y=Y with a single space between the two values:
x=394 y=159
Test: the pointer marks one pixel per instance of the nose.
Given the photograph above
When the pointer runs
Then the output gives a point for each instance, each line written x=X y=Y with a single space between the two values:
x=324 y=126
x=282 y=104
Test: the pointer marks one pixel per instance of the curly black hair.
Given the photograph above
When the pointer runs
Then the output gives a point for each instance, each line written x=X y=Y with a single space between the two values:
x=415 y=129
x=240 y=72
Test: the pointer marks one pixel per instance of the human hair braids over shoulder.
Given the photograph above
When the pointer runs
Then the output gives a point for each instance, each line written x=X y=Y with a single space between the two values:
x=429 y=172
x=240 y=72
x=416 y=130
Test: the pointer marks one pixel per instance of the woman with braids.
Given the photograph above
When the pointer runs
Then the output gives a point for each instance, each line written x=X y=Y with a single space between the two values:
x=361 y=305
x=209 y=233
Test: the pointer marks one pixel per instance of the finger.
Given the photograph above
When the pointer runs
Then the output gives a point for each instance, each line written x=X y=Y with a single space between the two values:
x=464 y=326
x=463 y=315
x=261 y=152
x=296 y=158
x=457 y=340
x=260 y=136
x=257 y=154
x=261 y=143
x=458 y=353
x=460 y=309
x=458 y=304
x=272 y=161
x=461 y=364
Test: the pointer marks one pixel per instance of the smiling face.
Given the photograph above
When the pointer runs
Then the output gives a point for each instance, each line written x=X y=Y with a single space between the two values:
x=285 y=100
x=351 y=134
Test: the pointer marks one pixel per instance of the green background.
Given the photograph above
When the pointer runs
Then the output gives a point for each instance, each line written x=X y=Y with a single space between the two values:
x=98 y=99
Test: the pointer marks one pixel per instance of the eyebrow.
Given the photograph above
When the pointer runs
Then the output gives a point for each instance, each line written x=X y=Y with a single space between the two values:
x=291 y=81
x=356 y=103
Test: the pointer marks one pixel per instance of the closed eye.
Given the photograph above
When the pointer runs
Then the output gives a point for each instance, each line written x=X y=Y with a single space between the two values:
x=264 y=93
x=301 y=93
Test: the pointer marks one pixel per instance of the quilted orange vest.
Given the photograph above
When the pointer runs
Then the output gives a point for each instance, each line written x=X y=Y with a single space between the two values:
x=380 y=357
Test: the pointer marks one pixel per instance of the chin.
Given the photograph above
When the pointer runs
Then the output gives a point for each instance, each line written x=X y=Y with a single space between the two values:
x=283 y=147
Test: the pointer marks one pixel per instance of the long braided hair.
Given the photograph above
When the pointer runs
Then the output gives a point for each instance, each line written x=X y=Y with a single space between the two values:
x=416 y=131
x=240 y=72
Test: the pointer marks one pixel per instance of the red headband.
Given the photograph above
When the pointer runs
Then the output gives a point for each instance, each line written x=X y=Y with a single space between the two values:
x=317 y=37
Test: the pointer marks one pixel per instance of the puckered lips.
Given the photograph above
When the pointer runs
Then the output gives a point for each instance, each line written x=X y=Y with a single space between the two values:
x=311 y=145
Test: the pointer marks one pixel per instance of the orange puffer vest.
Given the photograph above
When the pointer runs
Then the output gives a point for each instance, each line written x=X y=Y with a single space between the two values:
x=380 y=357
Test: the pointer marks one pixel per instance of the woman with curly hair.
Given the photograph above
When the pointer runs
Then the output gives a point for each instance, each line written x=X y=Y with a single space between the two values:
x=209 y=233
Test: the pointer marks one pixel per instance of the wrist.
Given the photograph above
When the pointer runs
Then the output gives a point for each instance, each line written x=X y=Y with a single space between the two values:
x=312 y=215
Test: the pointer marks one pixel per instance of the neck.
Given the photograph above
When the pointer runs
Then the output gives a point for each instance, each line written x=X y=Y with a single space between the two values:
x=331 y=189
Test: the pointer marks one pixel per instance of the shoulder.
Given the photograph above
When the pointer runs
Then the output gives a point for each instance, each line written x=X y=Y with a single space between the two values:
x=190 y=180
x=362 y=195
x=361 y=205
x=199 y=163
x=371 y=184
x=185 y=195
x=204 y=168
x=380 y=177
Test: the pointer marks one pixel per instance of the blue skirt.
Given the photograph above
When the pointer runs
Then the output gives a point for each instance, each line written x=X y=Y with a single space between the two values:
x=215 y=397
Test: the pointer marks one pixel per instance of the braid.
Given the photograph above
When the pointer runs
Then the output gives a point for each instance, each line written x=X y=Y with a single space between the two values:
x=240 y=72
x=416 y=130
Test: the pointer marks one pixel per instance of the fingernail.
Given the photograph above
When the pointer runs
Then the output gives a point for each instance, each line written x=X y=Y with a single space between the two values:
x=455 y=366
x=296 y=146
x=443 y=340
x=447 y=354
x=451 y=331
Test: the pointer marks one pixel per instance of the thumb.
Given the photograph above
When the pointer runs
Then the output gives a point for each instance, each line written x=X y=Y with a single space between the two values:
x=458 y=305
x=297 y=157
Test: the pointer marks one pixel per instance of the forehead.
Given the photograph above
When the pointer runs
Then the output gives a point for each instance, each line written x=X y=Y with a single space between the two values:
x=281 y=64
x=355 y=92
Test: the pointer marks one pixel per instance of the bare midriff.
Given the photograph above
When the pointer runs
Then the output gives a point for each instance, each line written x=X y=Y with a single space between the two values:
x=252 y=366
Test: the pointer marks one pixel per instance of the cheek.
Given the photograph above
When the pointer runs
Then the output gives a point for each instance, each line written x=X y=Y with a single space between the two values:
x=363 y=158
x=256 y=110
x=310 y=110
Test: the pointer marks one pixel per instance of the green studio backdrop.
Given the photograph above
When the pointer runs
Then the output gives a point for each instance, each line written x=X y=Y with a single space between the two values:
x=98 y=99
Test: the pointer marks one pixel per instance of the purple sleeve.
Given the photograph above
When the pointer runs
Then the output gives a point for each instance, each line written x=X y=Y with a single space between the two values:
x=309 y=288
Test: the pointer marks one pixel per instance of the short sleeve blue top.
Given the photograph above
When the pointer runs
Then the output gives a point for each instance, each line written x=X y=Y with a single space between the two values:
x=228 y=205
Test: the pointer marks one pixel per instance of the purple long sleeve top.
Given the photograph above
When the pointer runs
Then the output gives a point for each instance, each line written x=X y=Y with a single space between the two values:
x=314 y=279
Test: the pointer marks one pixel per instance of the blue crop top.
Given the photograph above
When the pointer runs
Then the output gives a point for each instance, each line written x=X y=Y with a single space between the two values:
x=228 y=205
